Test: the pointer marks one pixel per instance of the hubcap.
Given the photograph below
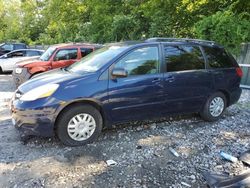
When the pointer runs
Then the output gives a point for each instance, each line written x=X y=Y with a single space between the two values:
x=81 y=127
x=216 y=106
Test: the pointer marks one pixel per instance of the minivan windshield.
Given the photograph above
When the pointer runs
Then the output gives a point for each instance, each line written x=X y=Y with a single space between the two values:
x=47 y=54
x=94 y=61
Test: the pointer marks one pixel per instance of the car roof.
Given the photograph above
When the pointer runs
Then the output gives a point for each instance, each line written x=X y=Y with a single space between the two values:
x=27 y=50
x=61 y=45
x=13 y=43
x=184 y=41
x=170 y=41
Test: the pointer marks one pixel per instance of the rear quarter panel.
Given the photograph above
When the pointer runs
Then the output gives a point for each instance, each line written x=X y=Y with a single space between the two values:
x=227 y=80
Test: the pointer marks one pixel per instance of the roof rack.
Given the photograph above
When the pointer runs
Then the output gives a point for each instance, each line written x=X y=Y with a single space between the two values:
x=161 y=39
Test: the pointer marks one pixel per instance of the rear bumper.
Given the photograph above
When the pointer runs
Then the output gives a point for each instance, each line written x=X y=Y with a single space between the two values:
x=20 y=78
x=235 y=96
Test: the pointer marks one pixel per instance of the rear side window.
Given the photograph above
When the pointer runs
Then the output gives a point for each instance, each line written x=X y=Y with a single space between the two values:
x=217 y=58
x=86 y=51
x=32 y=53
x=66 y=54
x=140 y=61
x=183 y=57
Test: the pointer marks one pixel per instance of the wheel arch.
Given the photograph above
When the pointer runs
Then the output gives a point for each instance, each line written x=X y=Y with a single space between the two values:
x=226 y=94
x=92 y=103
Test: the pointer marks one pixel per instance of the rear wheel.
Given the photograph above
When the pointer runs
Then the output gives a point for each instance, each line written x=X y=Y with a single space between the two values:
x=79 y=125
x=214 y=107
x=1 y=70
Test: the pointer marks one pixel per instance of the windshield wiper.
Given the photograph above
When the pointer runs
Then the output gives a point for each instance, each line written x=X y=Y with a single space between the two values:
x=66 y=69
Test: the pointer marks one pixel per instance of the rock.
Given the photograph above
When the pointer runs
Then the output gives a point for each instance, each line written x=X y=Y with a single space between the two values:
x=139 y=147
x=139 y=128
x=111 y=162
x=153 y=126
x=192 y=177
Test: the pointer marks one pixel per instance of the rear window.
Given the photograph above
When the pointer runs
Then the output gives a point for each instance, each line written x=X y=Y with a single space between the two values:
x=183 y=57
x=20 y=46
x=7 y=47
x=218 y=58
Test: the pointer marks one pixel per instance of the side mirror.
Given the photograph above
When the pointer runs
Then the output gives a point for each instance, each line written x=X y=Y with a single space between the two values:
x=119 y=73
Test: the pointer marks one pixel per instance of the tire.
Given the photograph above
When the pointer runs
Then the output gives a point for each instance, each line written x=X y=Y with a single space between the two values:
x=1 y=71
x=73 y=133
x=207 y=113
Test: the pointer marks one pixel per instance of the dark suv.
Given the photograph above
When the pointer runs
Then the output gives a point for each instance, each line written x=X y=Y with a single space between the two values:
x=8 y=47
x=128 y=81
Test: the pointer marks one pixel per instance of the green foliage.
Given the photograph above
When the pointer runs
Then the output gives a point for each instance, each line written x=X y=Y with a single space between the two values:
x=123 y=27
x=56 y=21
x=226 y=28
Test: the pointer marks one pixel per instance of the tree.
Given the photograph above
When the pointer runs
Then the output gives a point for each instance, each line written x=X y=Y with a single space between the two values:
x=226 y=28
x=56 y=21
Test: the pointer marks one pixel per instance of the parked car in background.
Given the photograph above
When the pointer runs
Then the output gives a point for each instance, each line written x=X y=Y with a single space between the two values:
x=123 y=82
x=57 y=56
x=8 y=61
x=9 y=46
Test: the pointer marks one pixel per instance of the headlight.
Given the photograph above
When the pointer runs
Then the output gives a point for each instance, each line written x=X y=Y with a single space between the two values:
x=18 y=70
x=40 y=92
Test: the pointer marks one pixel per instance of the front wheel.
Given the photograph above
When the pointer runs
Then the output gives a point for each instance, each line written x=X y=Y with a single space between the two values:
x=79 y=125
x=214 y=107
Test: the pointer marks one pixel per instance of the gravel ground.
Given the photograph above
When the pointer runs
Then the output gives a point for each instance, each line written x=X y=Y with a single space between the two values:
x=141 y=151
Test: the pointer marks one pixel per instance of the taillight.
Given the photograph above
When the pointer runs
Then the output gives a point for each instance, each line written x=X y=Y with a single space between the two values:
x=239 y=72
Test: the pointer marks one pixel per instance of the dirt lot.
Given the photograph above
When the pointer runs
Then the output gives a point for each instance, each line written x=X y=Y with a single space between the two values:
x=141 y=151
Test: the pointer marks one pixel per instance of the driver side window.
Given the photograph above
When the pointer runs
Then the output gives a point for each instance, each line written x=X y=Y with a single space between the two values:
x=141 y=61
x=16 y=54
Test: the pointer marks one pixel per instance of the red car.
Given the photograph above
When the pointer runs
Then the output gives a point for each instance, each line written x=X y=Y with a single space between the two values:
x=56 y=56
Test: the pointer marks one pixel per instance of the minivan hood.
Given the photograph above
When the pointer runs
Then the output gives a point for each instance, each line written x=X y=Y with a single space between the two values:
x=56 y=76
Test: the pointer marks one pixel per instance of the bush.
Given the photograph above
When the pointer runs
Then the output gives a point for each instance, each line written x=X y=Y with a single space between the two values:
x=225 y=28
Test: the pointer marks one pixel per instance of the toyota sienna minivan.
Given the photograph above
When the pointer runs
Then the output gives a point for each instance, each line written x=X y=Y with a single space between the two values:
x=128 y=81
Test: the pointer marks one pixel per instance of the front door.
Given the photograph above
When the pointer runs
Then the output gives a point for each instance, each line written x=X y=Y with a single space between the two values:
x=64 y=57
x=13 y=58
x=140 y=94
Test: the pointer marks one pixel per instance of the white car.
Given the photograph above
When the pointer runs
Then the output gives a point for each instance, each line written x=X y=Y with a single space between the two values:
x=8 y=61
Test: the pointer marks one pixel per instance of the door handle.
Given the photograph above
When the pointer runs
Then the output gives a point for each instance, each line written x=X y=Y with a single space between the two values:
x=155 y=80
x=170 y=79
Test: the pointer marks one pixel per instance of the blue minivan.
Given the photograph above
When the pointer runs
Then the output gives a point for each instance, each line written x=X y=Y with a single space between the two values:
x=128 y=81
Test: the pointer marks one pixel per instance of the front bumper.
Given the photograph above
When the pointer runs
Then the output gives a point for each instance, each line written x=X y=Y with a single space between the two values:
x=35 y=117
x=20 y=78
